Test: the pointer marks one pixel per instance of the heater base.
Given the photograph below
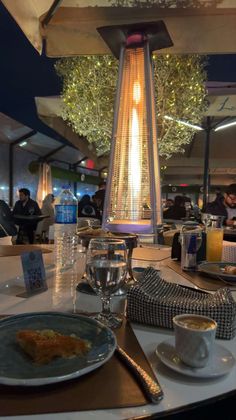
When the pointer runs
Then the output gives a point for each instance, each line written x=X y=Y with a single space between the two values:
x=127 y=226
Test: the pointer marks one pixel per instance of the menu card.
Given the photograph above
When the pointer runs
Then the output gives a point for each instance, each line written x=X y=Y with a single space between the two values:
x=34 y=272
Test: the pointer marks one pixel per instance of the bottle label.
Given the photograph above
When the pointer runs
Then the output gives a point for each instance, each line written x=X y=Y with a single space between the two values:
x=189 y=251
x=192 y=245
x=66 y=214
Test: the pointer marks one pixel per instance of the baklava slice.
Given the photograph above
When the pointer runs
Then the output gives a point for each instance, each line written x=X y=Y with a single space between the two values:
x=44 y=345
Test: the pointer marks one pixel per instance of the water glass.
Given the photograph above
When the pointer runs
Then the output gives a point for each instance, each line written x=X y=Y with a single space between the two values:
x=106 y=269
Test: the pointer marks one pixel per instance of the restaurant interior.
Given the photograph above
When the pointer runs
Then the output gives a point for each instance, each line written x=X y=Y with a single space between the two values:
x=117 y=209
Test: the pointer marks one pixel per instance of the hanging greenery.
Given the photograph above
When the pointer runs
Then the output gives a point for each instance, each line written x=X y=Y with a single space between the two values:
x=181 y=95
x=89 y=85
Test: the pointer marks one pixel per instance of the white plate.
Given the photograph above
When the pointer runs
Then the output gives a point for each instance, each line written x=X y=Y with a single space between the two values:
x=221 y=363
x=16 y=368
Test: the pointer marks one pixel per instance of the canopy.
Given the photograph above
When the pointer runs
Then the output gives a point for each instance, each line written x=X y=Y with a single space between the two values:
x=49 y=111
x=70 y=26
x=190 y=165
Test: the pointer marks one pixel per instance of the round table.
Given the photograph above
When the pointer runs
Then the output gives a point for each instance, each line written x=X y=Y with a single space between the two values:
x=29 y=218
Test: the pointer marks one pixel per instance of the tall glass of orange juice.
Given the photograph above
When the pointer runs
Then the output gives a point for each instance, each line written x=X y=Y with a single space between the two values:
x=214 y=244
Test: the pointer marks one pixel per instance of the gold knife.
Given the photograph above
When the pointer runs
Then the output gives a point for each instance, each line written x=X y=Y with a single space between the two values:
x=151 y=387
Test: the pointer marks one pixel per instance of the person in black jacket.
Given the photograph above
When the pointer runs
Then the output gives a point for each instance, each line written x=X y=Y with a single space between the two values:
x=25 y=206
x=7 y=227
x=99 y=196
x=224 y=205
x=86 y=208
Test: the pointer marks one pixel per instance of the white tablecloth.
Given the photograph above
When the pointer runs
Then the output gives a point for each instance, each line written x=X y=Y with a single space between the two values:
x=179 y=390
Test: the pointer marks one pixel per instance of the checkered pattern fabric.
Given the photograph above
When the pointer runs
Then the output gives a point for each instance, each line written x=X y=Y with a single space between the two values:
x=229 y=252
x=153 y=301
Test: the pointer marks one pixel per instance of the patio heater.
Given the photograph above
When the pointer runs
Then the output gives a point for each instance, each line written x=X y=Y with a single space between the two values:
x=133 y=193
x=45 y=182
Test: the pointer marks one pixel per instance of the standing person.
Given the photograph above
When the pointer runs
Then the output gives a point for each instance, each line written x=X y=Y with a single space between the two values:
x=25 y=206
x=224 y=205
x=99 y=196
x=47 y=210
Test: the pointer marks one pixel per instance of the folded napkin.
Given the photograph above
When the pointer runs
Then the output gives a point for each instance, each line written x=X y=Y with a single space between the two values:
x=154 y=301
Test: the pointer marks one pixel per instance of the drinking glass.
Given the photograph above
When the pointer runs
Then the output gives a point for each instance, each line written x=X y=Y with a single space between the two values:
x=214 y=244
x=106 y=269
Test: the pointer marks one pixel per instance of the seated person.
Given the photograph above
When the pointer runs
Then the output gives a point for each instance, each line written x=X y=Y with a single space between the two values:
x=99 y=196
x=25 y=206
x=7 y=226
x=188 y=207
x=177 y=211
x=224 y=205
x=86 y=208
x=169 y=203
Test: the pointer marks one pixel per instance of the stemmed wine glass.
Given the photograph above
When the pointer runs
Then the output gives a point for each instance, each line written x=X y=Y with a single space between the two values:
x=106 y=269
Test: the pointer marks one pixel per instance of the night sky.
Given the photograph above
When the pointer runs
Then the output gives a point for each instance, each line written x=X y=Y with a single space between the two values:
x=222 y=68
x=25 y=74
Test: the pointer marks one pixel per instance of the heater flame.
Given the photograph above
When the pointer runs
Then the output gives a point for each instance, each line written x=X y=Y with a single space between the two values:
x=135 y=154
x=137 y=92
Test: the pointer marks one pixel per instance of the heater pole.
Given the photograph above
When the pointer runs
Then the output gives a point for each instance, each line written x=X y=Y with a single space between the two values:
x=114 y=131
x=154 y=165
x=206 y=176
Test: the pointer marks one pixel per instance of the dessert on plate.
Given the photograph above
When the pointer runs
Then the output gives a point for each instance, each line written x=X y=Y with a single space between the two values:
x=230 y=269
x=44 y=345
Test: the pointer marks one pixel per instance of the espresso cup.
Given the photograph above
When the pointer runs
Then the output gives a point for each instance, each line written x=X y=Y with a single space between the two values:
x=194 y=339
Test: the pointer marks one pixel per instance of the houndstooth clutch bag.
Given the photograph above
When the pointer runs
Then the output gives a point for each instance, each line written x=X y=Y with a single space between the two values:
x=155 y=302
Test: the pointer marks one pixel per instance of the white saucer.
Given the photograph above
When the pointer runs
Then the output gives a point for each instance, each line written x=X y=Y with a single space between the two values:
x=221 y=363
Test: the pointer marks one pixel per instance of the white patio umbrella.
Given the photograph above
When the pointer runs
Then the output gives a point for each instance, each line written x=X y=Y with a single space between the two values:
x=70 y=26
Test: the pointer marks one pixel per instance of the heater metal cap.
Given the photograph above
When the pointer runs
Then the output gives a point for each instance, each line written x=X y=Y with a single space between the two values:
x=154 y=32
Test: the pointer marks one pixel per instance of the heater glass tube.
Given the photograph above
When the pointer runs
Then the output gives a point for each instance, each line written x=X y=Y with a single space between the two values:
x=134 y=178
x=131 y=176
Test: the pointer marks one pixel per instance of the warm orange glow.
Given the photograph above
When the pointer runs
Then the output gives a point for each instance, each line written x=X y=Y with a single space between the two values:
x=45 y=183
x=134 y=164
x=137 y=92
x=135 y=154
x=134 y=172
